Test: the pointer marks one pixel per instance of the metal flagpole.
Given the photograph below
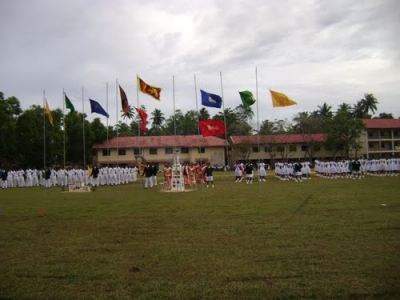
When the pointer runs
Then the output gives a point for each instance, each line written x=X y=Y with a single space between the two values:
x=139 y=159
x=137 y=103
x=108 y=149
x=116 y=127
x=64 y=123
x=173 y=99
x=226 y=127
x=83 y=129
x=197 y=107
x=258 y=121
x=44 y=130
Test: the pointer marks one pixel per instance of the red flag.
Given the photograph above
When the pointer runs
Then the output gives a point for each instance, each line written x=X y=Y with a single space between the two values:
x=212 y=127
x=124 y=100
x=143 y=118
x=150 y=90
x=42 y=211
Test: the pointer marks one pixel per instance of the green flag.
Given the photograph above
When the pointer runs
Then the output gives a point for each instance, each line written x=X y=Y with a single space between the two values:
x=247 y=98
x=68 y=104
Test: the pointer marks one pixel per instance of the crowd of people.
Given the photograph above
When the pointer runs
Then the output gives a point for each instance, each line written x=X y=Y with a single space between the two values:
x=62 y=177
x=193 y=173
x=357 y=168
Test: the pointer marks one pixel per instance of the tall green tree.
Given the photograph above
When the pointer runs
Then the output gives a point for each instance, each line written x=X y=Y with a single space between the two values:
x=345 y=108
x=385 y=116
x=10 y=110
x=344 y=135
x=325 y=111
x=128 y=115
x=308 y=125
x=268 y=127
x=358 y=111
x=204 y=114
x=30 y=136
x=123 y=129
x=233 y=123
x=99 y=131
x=79 y=140
x=369 y=104
x=158 y=120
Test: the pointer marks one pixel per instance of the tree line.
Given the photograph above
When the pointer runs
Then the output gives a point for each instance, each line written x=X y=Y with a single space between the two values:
x=24 y=134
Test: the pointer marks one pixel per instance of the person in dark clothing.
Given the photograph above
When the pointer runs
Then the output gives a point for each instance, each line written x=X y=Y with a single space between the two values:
x=154 y=170
x=4 y=182
x=208 y=171
x=148 y=172
x=95 y=175
x=248 y=169
x=47 y=174
x=355 y=168
x=297 y=171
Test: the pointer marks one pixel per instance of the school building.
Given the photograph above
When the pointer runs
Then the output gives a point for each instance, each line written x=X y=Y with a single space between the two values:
x=124 y=151
x=380 y=139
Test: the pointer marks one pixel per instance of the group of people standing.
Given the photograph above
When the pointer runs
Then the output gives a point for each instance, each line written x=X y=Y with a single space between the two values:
x=197 y=173
x=246 y=170
x=63 y=177
x=357 y=168
x=192 y=173
x=150 y=173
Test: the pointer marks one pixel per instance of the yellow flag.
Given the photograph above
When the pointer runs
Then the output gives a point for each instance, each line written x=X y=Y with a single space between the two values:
x=49 y=113
x=89 y=170
x=279 y=99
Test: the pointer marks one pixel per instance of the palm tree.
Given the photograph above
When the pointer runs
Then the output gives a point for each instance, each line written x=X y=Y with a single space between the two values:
x=244 y=113
x=268 y=127
x=369 y=104
x=204 y=114
x=157 y=117
x=128 y=115
x=157 y=120
x=325 y=110
x=344 y=107
x=357 y=110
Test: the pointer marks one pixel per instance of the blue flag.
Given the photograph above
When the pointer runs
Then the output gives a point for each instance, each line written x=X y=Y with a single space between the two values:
x=210 y=100
x=96 y=108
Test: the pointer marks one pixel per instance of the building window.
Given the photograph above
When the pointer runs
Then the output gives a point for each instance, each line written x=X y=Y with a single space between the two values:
x=137 y=151
x=255 y=149
x=304 y=148
x=370 y=145
x=153 y=151
x=185 y=150
x=268 y=149
x=317 y=148
x=280 y=148
x=370 y=134
x=106 y=152
x=395 y=133
x=121 y=151
x=292 y=148
x=169 y=150
x=201 y=150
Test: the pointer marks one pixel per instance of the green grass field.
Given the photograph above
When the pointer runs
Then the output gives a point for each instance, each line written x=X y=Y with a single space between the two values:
x=319 y=239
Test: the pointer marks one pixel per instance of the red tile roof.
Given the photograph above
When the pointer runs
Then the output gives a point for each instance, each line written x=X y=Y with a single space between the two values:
x=381 y=123
x=104 y=161
x=161 y=141
x=279 y=138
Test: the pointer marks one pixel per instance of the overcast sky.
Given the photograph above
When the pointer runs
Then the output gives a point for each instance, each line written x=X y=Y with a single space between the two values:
x=313 y=51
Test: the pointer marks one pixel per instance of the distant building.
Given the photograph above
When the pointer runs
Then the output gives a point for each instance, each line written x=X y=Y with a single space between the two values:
x=125 y=151
x=279 y=147
x=382 y=138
